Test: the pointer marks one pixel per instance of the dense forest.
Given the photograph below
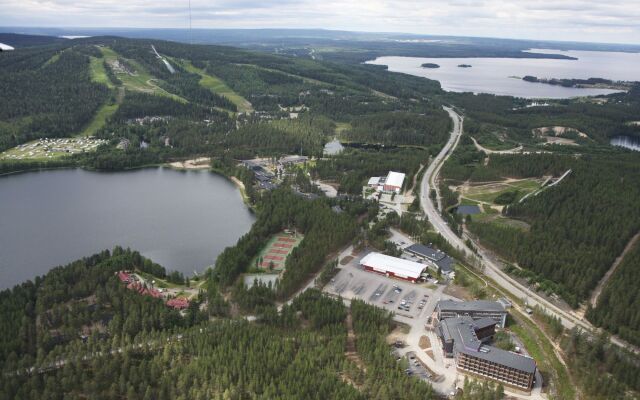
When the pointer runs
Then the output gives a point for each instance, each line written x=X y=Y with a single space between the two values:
x=325 y=231
x=138 y=348
x=618 y=307
x=46 y=92
x=577 y=228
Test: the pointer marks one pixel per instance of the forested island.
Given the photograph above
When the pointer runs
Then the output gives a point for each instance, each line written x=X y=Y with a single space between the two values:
x=464 y=65
x=600 y=83
x=430 y=65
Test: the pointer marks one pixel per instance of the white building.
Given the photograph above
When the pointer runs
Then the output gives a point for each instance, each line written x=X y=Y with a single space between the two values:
x=393 y=266
x=390 y=183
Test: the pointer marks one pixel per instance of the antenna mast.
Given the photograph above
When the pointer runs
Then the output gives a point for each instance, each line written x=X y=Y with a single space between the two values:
x=190 y=34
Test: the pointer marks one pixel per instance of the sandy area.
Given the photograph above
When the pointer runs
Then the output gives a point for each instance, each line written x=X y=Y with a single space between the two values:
x=424 y=343
x=557 y=131
x=196 y=163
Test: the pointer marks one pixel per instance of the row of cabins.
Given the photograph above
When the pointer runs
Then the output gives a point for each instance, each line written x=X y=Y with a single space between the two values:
x=465 y=330
x=132 y=282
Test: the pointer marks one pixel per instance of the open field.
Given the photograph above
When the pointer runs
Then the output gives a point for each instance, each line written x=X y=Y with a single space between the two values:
x=139 y=80
x=100 y=119
x=51 y=149
x=219 y=87
x=276 y=251
x=98 y=73
x=487 y=193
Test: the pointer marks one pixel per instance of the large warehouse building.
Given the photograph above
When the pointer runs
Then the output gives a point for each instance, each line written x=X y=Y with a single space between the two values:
x=463 y=338
x=390 y=183
x=392 y=266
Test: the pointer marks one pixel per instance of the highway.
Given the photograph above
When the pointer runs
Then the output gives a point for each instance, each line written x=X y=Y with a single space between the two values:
x=491 y=269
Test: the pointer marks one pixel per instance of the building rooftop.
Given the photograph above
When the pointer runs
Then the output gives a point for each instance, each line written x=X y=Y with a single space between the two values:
x=426 y=251
x=374 y=180
x=475 y=305
x=392 y=264
x=439 y=258
x=395 y=179
x=462 y=331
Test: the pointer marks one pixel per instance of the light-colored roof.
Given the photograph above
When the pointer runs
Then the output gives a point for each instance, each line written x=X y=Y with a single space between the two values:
x=373 y=180
x=398 y=266
x=5 y=47
x=395 y=179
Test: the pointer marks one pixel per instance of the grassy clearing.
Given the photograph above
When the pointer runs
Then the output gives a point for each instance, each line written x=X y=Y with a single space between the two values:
x=542 y=351
x=141 y=80
x=488 y=193
x=342 y=127
x=98 y=73
x=218 y=86
x=53 y=59
x=98 y=121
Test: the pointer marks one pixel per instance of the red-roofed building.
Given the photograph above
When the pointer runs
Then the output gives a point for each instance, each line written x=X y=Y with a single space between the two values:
x=124 y=277
x=179 y=303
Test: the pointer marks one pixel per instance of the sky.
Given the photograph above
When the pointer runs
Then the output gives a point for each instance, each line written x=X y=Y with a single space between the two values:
x=613 y=21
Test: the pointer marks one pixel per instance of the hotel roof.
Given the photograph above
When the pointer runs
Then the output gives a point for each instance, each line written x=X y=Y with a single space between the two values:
x=462 y=331
x=476 y=305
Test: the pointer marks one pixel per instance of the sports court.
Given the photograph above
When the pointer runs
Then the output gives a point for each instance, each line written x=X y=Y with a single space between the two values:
x=276 y=251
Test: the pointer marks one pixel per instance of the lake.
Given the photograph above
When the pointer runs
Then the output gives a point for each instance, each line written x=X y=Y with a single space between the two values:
x=494 y=75
x=180 y=219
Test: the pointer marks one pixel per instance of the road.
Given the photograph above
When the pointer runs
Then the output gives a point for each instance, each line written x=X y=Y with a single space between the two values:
x=491 y=268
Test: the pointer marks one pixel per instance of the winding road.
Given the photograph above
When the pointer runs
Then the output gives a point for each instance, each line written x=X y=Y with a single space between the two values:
x=491 y=268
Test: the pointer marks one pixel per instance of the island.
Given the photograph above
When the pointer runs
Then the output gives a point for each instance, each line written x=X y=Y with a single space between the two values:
x=464 y=65
x=599 y=83
x=430 y=65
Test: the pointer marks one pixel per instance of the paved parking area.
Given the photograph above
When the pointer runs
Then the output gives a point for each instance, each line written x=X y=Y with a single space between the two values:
x=403 y=298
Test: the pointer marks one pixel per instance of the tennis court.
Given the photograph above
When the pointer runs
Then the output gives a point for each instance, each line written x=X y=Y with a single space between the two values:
x=275 y=252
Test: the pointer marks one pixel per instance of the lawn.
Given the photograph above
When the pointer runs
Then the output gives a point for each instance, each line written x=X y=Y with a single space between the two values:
x=217 y=86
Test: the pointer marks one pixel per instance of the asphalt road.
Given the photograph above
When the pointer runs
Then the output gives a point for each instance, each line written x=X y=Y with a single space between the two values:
x=491 y=269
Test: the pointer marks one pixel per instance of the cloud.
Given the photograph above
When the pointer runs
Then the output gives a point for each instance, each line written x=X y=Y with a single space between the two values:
x=585 y=20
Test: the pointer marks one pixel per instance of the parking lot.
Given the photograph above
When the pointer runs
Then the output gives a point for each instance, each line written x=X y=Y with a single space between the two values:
x=410 y=300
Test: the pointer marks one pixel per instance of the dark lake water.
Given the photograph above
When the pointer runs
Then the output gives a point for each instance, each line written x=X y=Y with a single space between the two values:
x=495 y=75
x=180 y=219
x=626 y=142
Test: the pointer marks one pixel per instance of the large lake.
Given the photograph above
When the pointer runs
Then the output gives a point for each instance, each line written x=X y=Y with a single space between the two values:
x=494 y=75
x=180 y=219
